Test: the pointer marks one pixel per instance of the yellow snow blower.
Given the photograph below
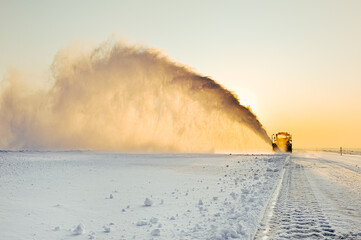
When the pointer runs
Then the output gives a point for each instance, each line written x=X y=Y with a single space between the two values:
x=282 y=142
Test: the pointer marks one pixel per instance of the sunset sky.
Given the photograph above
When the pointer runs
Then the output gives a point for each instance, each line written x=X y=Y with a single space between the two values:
x=297 y=64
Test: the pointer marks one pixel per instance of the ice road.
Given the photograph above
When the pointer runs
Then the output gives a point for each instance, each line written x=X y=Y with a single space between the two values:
x=92 y=195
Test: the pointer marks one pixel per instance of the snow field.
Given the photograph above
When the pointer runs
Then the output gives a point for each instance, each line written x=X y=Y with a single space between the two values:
x=87 y=195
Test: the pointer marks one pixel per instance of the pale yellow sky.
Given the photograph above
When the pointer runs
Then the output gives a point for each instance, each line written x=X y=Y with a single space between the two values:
x=296 y=63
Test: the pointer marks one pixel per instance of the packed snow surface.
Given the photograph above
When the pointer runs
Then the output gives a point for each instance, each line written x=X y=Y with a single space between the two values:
x=319 y=197
x=88 y=195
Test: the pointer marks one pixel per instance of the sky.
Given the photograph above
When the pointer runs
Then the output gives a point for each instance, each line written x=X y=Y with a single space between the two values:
x=295 y=63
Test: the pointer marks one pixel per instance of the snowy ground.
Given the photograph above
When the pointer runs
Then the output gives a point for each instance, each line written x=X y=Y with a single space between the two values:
x=319 y=198
x=86 y=195
x=47 y=195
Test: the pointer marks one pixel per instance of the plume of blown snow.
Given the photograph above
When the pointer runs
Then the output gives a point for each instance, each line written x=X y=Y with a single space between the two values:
x=120 y=97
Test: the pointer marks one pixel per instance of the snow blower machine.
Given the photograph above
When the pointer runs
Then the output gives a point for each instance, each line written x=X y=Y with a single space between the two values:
x=282 y=142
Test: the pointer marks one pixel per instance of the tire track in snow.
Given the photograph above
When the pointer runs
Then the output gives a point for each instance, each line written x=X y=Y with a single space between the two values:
x=264 y=227
x=297 y=213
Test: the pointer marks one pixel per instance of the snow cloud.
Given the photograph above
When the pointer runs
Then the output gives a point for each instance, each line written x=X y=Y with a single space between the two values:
x=120 y=97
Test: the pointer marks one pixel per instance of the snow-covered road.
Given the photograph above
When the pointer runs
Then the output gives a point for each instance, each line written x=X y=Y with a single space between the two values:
x=88 y=195
x=319 y=198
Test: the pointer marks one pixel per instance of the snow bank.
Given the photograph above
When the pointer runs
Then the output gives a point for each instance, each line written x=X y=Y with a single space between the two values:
x=186 y=196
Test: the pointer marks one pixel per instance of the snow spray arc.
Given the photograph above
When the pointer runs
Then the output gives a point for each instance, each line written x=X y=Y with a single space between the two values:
x=126 y=98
